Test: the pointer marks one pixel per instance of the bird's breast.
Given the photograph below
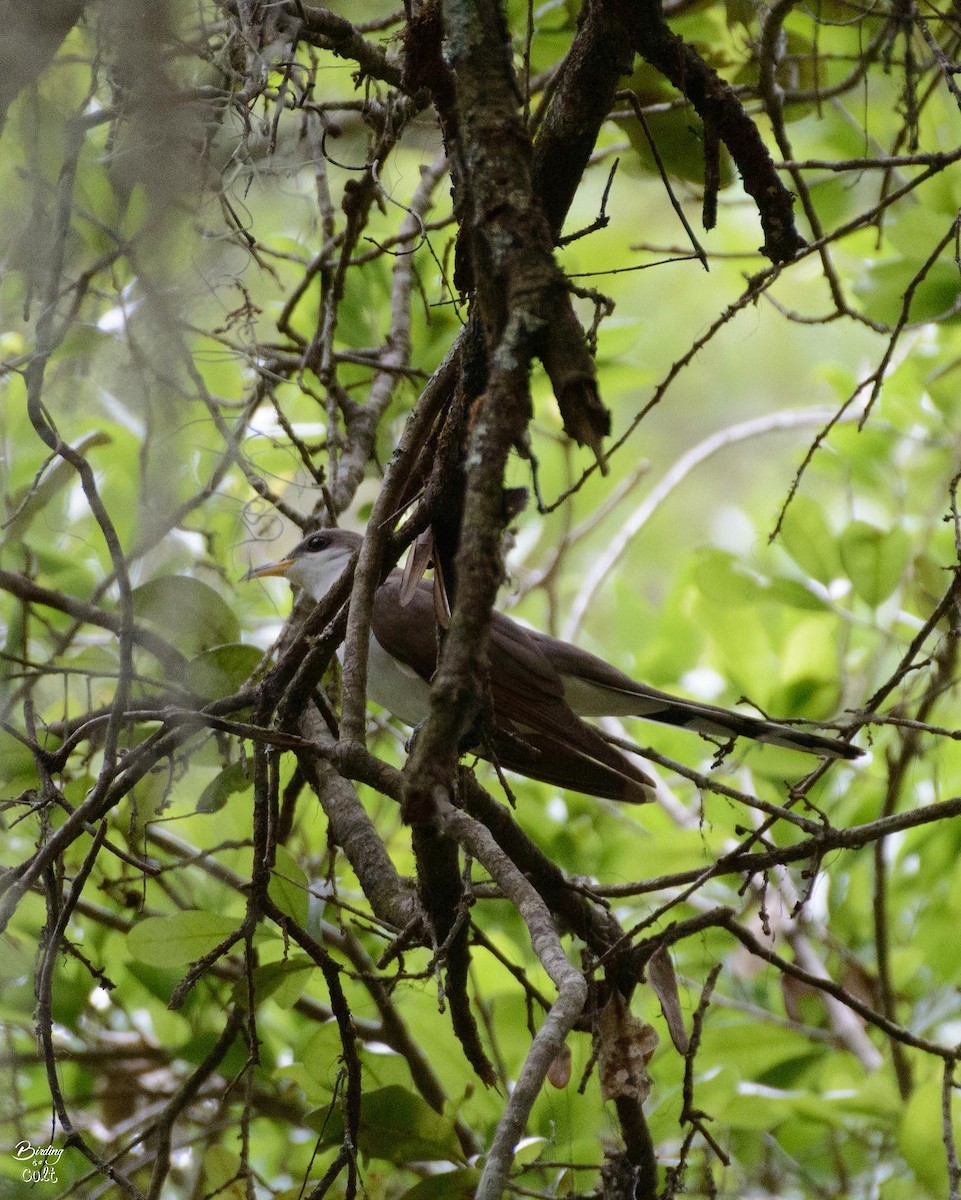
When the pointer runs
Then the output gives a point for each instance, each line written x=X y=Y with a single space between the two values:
x=395 y=686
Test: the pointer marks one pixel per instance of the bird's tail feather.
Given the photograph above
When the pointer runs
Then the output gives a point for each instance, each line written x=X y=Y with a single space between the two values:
x=715 y=722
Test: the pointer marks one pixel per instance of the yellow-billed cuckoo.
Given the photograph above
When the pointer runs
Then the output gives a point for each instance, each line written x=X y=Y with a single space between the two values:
x=540 y=686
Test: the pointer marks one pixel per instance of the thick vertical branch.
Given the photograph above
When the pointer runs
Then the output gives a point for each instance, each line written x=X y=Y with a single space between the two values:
x=524 y=310
x=600 y=55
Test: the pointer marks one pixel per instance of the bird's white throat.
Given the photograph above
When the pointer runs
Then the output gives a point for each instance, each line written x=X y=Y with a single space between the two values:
x=317 y=573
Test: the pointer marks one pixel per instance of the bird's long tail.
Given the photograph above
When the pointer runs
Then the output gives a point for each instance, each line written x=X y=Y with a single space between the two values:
x=713 y=721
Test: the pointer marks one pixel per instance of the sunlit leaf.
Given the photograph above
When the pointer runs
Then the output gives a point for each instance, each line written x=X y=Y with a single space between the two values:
x=807 y=537
x=920 y=1138
x=180 y=939
x=289 y=886
x=874 y=559
x=724 y=580
x=883 y=286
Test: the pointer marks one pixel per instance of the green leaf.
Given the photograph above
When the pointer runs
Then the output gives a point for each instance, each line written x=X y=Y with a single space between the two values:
x=883 y=286
x=920 y=1139
x=395 y=1125
x=283 y=982
x=229 y=782
x=749 y=1050
x=223 y=1174
x=289 y=887
x=38 y=498
x=180 y=939
x=70 y=573
x=942 y=386
x=874 y=560
x=678 y=133
x=723 y=580
x=529 y=1150
x=188 y=610
x=809 y=652
x=452 y=1185
x=16 y=961
x=807 y=537
x=320 y=1056
x=794 y=595
x=220 y=671
x=16 y=761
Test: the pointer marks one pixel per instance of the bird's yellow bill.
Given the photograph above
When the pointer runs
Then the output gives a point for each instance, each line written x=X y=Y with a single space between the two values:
x=281 y=567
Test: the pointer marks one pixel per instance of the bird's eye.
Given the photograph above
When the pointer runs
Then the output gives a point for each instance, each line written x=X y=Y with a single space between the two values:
x=316 y=541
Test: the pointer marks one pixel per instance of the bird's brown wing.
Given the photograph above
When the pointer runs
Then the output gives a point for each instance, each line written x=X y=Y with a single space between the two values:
x=536 y=733
x=548 y=740
x=552 y=760
x=407 y=632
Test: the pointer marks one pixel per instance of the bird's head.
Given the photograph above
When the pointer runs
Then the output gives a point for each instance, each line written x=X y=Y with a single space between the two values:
x=316 y=563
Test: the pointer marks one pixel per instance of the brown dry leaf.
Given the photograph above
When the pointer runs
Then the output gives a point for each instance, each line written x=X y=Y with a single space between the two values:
x=627 y=1045
x=559 y=1072
x=660 y=974
x=416 y=565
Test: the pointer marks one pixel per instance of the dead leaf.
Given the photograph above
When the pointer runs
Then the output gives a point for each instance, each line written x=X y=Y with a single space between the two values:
x=660 y=974
x=559 y=1072
x=627 y=1045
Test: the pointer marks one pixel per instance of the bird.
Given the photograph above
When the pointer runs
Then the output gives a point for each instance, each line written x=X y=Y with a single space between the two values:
x=541 y=687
